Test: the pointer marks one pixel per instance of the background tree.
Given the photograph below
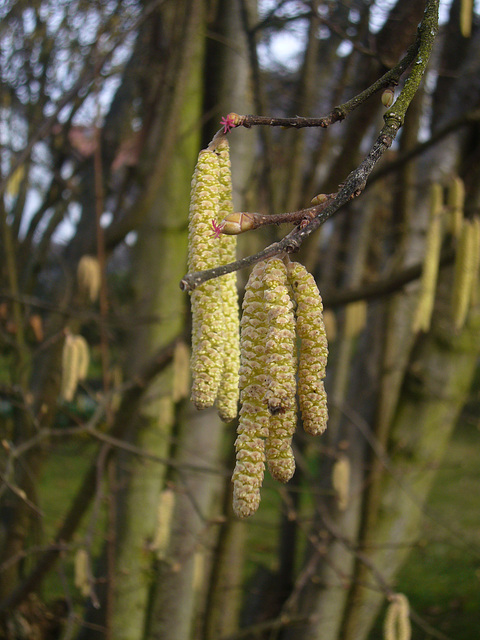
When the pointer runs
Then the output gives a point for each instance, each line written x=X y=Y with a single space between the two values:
x=104 y=107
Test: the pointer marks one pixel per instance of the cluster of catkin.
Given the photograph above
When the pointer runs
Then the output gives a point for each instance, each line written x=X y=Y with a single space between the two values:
x=215 y=312
x=76 y=354
x=447 y=217
x=281 y=303
x=282 y=314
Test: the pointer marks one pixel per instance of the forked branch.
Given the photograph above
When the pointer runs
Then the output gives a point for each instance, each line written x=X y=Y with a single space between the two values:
x=416 y=58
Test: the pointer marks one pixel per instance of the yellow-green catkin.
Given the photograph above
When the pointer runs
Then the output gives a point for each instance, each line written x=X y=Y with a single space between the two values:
x=82 y=572
x=330 y=322
x=207 y=305
x=254 y=415
x=466 y=16
x=397 y=619
x=71 y=366
x=281 y=369
x=455 y=203
x=83 y=362
x=428 y=283
x=341 y=481
x=88 y=277
x=355 y=318
x=464 y=274
x=476 y=262
x=313 y=349
x=228 y=393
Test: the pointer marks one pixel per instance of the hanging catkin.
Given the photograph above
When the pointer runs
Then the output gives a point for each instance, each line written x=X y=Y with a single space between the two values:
x=227 y=401
x=476 y=261
x=82 y=572
x=207 y=306
x=428 y=282
x=455 y=204
x=88 y=277
x=313 y=349
x=464 y=274
x=341 y=481
x=281 y=367
x=397 y=621
x=254 y=414
x=83 y=357
x=355 y=318
x=75 y=361
x=466 y=16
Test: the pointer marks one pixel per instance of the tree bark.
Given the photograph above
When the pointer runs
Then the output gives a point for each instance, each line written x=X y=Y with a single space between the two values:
x=159 y=263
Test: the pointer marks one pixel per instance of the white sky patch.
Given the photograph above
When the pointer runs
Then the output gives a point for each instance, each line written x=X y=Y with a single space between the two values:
x=344 y=49
x=284 y=49
x=66 y=229
x=106 y=219
x=131 y=238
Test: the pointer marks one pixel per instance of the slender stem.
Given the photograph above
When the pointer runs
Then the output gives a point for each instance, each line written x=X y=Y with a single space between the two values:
x=341 y=111
x=243 y=221
x=418 y=54
x=352 y=187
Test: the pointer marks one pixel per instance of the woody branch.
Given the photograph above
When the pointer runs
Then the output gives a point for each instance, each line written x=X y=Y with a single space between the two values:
x=416 y=58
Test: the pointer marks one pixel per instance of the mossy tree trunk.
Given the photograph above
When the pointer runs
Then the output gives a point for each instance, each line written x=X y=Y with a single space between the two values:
x=182 y=597
x=159 y=262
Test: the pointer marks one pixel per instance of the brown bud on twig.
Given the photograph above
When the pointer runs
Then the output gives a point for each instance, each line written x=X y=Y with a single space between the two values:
x=388 y=97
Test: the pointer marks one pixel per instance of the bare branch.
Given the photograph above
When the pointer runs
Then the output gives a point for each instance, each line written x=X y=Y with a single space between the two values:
x=352 y=187
x=418 y=54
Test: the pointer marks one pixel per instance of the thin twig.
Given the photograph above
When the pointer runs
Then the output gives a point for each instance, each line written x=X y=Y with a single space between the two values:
x=341 y=111
x=353 y=186
x=419 y=54
x=82 y=499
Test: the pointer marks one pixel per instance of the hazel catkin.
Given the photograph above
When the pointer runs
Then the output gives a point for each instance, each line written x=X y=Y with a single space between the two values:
x=476 y=261
x=207 y=305
x=88 y=277
x=313 y=349
x=228 y=393
x=254 y=415
x=82 y=572
x=397 y=621
x=428 y=282
x=465 y=264
x=75 y=361
x=455 y=204
x=281 y=368
x=341 y=481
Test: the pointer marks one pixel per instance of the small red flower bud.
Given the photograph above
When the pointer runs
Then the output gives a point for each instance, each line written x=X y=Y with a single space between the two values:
x=229 y=122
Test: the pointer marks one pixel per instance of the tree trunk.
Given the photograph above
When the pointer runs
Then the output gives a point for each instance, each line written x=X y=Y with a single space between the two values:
x=435 y=391
x=159 y=264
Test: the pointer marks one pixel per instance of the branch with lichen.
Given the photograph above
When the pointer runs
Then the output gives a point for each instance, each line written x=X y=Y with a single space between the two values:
x=308 y=220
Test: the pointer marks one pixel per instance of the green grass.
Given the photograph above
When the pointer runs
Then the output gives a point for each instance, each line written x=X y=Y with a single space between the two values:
x=442 y=575
x=63 y=475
